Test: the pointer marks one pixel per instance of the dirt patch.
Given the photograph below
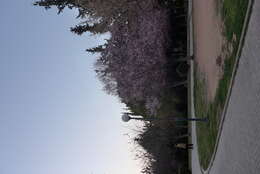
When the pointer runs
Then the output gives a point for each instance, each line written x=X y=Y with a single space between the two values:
x=208 y=43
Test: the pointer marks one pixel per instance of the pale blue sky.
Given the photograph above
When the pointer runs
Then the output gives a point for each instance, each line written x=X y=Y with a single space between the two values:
x=54 y=117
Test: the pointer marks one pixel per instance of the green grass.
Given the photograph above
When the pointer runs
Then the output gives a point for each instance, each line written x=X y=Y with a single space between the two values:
x=207 y=132
x=233 y=14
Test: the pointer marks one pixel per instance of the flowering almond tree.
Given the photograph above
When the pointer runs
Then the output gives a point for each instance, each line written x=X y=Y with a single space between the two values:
x=133 y=63
x=142 y=63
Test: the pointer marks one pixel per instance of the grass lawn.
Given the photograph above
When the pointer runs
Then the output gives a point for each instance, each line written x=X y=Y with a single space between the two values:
x=233 y=14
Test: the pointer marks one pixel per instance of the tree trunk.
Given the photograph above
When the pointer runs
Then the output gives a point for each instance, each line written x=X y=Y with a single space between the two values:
x=177 y=84
x=182 y=136
x=187 y=58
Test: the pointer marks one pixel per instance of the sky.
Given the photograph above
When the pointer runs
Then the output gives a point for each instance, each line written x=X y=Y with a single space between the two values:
x=54 y=116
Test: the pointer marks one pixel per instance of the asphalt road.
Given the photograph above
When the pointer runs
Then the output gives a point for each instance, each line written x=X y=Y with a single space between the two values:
x=239 y=145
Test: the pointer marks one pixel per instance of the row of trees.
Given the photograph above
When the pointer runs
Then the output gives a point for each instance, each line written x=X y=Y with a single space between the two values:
x=142 y=63
x=160 y=155
x=133 y=64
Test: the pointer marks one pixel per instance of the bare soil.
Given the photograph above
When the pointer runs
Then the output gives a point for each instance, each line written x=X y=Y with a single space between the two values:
x=208 y=41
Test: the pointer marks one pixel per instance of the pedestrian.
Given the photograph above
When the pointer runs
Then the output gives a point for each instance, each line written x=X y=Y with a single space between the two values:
x=184 y=146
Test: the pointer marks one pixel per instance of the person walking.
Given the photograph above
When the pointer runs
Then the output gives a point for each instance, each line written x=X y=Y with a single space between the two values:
x=184 y=146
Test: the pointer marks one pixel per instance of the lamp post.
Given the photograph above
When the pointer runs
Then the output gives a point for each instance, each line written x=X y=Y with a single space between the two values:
x=126 y=117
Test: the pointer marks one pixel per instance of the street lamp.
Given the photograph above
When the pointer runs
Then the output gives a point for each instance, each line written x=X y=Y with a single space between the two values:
x=126 y=117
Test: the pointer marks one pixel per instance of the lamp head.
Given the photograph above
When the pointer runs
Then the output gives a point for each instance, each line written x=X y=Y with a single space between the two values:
x=125 y=117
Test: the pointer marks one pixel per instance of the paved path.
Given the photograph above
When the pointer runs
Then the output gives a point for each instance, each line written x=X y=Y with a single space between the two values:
x=239 y=146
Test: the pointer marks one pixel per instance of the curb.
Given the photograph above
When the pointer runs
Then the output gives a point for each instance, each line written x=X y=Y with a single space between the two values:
x=241 y=43
x=190 y=53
